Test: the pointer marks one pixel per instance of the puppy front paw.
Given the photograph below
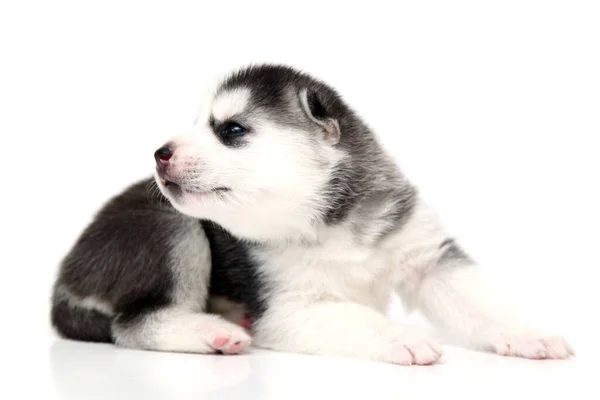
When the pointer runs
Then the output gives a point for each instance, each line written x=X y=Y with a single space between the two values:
x=533 y=347
x=411 y=348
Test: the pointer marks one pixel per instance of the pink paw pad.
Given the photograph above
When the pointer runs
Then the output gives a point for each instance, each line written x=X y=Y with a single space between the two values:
x=220 y=342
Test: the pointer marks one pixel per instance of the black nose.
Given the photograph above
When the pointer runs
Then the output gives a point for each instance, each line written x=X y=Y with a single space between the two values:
x=163 y=154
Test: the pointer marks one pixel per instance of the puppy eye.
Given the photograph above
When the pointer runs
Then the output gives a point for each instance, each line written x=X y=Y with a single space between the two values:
x=233 y=129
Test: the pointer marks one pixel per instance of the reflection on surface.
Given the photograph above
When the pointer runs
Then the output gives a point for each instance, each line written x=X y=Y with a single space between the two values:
x=89 y=371
x=95 y=371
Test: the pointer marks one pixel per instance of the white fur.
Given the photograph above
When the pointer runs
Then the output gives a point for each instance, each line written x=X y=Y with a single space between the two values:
x=292 y=190
x=328 y=287
x=329 y=303
x=458 y=299
x=331 y=299
x=178 y=330
x=465 y=305
x=344 y=329
x=93 y=303
x=230 y=103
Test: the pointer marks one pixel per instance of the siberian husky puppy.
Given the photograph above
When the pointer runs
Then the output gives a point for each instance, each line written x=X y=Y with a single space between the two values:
x=280 y=205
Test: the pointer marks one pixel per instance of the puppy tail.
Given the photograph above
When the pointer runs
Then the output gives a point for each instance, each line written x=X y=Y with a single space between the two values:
x=78 y=323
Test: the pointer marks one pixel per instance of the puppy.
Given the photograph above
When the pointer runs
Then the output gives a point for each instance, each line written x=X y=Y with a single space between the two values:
x=312 y=227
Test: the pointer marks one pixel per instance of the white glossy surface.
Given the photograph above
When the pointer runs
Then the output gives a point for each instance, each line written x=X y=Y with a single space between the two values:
x=61 y=369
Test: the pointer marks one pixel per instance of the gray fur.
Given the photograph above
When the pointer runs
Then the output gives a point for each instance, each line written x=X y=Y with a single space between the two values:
x=137 y=257
x=451 y=252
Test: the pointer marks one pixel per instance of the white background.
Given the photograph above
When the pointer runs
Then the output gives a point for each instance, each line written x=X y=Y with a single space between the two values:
x=491 y=108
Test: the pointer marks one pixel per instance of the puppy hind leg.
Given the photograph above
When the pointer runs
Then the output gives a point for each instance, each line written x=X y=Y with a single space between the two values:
x=179 y=330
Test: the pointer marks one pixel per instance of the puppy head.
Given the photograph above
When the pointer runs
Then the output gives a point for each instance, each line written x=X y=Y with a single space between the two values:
x=262 y=152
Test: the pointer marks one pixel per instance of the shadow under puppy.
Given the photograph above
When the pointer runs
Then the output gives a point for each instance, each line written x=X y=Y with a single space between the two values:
x=313 y=227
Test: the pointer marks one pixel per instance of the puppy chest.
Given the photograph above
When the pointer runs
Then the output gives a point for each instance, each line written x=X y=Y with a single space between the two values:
x=327 y=273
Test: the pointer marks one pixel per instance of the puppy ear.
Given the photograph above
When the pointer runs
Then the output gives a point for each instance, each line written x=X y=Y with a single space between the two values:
x=317 y=113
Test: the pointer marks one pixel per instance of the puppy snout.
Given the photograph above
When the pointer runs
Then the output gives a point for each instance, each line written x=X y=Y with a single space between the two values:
x=163 y=155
